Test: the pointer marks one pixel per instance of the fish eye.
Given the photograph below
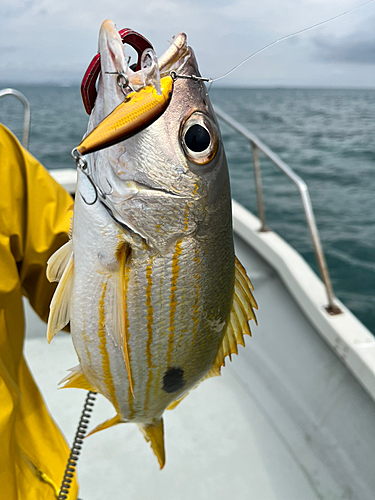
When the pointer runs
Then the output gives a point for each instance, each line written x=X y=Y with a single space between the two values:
x=199 y=138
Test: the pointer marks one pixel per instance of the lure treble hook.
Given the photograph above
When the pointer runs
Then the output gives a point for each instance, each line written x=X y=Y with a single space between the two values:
x=122 y=81
x=82 y=164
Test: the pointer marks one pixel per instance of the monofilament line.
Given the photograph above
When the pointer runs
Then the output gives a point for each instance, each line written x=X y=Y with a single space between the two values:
x=290 y=36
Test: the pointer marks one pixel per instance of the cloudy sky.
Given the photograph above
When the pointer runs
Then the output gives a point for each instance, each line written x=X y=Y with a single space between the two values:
x=53 y=41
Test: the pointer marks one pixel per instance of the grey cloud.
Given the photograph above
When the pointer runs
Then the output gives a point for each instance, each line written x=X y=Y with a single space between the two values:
x=12 y=10
x=346 y=51
x=9 y=49
x=357 y=47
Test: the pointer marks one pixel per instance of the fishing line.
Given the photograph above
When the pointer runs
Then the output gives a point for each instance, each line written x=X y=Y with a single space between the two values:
x=304 y=30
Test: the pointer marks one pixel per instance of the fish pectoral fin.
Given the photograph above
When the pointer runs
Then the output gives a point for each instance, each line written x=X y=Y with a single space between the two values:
x=57 y=263
x=242 y=312
x=107 y=424
x=76 y=379
x=154 y=434
x=59 y=314
x=120 y=313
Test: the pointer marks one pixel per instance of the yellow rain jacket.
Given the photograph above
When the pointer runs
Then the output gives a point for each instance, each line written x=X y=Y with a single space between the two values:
x=34 y=222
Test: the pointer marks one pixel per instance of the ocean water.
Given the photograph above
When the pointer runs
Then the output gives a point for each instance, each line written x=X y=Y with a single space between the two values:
x=326 y=136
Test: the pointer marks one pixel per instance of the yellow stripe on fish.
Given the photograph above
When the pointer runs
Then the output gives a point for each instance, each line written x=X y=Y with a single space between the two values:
x=173 y=297
x=150 y=320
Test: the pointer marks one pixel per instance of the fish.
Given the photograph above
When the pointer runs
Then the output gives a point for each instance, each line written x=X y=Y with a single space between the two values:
x=149 y=282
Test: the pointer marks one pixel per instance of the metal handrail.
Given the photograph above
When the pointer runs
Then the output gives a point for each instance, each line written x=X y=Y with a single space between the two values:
x=257 y=145
x=26 y=107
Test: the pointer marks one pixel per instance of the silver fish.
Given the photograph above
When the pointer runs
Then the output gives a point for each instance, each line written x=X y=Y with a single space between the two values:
x=149 y=281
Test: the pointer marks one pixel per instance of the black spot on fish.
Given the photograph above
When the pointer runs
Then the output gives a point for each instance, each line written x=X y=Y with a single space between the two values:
x=173 y=380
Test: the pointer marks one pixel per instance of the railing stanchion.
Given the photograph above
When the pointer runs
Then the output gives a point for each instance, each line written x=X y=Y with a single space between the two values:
x=257 y=145
x=258 y=187
x=26 y=108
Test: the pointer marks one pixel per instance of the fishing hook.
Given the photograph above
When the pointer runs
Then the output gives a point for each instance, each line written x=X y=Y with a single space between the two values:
x=81 y=163
x=99 y=193
x=122 y=81
x=110 y=189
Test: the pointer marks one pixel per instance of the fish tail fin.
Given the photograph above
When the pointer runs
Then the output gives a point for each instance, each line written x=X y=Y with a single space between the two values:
x=154 y=434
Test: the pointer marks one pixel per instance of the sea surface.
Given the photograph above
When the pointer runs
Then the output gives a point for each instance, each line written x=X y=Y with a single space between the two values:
x=325 y=136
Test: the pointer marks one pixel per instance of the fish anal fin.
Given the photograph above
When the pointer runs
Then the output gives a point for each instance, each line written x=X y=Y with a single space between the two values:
x=106 y=425
x=176 y=402
x=154 y=434
x=57 y=263
x=59 y=315
x=76 y=379
x=214 y=372
x=242 y=312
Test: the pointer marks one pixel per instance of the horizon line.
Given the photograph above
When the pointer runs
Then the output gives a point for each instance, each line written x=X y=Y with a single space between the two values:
x=7 y=84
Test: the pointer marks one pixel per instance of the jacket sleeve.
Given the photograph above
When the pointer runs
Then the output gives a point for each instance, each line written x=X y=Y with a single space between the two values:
x=34 y=222
x=42 y=212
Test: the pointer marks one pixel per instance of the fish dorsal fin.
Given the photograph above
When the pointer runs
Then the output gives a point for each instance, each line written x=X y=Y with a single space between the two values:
x=77 y=380
x=242 y=311
x=59 y=315
x=154 y=434
x=120 y=314
x=106 y=425
x=57 y=263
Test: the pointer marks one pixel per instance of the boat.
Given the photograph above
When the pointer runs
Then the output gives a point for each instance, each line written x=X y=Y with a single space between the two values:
x=291 y=418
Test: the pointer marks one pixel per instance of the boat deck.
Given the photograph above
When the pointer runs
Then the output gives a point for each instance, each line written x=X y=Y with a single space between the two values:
x=286 y=421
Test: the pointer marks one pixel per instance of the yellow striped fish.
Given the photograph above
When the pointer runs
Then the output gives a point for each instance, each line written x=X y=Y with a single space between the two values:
x=149 y=281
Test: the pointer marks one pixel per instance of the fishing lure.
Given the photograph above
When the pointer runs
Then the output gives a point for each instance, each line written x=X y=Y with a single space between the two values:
x=135 y=113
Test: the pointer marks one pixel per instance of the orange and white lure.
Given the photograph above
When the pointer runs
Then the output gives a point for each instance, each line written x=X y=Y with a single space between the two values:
x=149 y=280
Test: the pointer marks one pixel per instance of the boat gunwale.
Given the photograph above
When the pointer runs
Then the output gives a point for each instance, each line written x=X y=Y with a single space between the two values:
x=349 y=339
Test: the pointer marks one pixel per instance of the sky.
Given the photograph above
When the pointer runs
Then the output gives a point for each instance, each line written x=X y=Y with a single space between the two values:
x=53 y=41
